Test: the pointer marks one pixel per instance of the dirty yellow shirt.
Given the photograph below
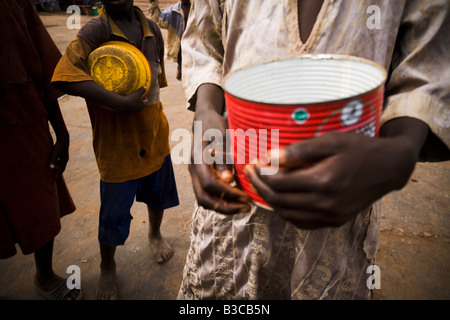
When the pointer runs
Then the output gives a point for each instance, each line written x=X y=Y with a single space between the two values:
x=126 y=146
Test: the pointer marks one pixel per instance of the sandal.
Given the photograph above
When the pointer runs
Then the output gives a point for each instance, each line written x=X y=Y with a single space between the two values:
x=60 y=292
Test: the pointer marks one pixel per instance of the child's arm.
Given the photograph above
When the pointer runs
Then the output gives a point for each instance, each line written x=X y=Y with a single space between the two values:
x=71 y=76
x=95 y=93
x=155 y=14
x=60 y=152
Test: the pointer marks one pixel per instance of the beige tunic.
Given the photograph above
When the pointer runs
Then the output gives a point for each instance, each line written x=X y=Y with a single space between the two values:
x=258 y=255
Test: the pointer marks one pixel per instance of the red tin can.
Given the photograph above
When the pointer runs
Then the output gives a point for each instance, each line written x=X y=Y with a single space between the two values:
x=274 y=104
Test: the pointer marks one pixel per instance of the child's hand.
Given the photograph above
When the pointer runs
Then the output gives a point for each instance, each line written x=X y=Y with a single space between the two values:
x=212 y=181
x=346 y=173
x=59 y=156
x=134 y=102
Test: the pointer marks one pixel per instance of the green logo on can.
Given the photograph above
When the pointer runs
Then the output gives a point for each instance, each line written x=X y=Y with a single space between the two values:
x=300 y=116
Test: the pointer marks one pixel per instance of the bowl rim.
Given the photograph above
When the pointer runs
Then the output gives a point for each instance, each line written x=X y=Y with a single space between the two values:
x=310 y=57
x=134 y=50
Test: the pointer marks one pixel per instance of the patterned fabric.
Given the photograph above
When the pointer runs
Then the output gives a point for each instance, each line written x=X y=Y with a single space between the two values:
x=258 y=255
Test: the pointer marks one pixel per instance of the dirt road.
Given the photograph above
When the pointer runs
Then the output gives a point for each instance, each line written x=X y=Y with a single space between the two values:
x=414 y=250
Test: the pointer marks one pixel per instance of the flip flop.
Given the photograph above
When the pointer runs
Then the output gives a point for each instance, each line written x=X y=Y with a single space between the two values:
x=58 y=293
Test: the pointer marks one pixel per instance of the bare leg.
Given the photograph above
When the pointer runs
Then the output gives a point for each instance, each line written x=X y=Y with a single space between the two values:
x=45 y=278
x=107 y=285
x=160 y=247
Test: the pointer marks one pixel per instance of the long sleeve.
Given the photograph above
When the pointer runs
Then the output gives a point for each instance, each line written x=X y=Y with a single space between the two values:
x=202 y=48
x=155 y=14
x=419 y=84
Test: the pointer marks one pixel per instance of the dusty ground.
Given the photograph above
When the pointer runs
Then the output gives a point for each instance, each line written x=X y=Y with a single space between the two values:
x=414 y=251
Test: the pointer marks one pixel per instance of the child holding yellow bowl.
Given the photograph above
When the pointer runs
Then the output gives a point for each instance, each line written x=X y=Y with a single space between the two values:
x=130 y=133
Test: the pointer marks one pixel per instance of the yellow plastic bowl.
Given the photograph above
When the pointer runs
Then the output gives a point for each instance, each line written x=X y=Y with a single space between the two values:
x=119 y=67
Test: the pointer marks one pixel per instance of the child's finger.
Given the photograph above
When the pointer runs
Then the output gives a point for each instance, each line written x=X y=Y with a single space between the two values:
x=142 y=92
x=54 y=160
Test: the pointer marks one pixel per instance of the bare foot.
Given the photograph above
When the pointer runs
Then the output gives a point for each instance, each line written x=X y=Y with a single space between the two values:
x=107 y=285
x=161 y=248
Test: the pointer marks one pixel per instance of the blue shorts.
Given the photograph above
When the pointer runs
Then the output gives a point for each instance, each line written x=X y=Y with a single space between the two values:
x=158 y=190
